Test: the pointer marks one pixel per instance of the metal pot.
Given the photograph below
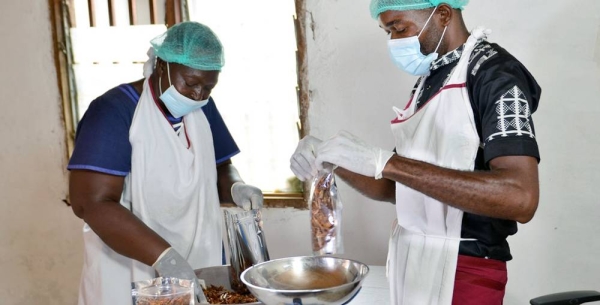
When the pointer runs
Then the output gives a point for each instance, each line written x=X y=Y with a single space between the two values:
x=306 y=280
x=218 y=276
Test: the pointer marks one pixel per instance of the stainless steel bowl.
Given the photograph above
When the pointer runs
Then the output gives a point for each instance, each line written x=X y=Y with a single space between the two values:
x=218 y=276
x=305 y=280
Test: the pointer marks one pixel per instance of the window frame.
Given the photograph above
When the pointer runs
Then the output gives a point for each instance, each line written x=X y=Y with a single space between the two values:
x=62 y=18
x=60 y=12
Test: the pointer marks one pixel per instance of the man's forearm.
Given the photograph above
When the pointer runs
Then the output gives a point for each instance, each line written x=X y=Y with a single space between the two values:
x=381 y=190
x=509 y=191
x=124 y=232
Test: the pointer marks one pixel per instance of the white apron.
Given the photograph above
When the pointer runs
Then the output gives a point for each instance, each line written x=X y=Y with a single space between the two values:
x=172 y=189
x=423 y=248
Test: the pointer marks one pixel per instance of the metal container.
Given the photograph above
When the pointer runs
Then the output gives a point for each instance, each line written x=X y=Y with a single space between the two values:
x=218 y=276
x=247 y=243
x=306 y=280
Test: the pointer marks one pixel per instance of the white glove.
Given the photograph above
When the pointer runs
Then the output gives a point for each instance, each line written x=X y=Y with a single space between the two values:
x=302 y=161
x=171 y=264
x=246 y=196
x=347 y=151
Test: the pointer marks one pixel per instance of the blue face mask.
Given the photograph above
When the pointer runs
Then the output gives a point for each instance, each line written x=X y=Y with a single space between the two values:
x=406 y=53
x=177 y=103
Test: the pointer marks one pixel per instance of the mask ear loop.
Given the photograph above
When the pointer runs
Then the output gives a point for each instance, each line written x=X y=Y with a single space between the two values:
x=427 y=22
x=160 y=78
x=159 y=86
x=169 y=74
x=441 y=38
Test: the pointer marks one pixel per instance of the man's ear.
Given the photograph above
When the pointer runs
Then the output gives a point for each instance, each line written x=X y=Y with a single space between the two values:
x=445 y=12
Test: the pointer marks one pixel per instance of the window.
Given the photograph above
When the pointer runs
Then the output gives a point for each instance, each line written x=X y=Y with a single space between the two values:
x=256 y=93
x=261 y=91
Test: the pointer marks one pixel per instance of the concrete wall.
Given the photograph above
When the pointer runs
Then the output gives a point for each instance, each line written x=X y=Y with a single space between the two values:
x=40 y=239
x=559 y=42
x=353 y=85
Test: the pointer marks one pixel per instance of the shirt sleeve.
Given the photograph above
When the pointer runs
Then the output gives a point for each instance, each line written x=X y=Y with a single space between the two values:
x=504 y=95
x=225 y=146
x=102 y=138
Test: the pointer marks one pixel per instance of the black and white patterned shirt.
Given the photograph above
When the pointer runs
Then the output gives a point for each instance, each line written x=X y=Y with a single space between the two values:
x=503 y=96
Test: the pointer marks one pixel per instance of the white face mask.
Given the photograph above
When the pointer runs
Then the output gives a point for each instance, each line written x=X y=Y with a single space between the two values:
x=177 y=103
x=406 y=53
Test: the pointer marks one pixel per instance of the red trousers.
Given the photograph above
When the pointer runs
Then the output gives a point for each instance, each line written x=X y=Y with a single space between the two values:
x=479 y=281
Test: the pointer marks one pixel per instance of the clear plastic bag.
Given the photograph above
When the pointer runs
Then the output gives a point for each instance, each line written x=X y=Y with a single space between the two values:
x=325 y=214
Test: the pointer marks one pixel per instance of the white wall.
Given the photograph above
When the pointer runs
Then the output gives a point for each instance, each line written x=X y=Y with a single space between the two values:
x=354 y=85
x=40 y=238
x=559 y=42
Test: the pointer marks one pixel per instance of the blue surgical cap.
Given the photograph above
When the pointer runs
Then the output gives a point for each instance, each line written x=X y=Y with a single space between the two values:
x=380 y=6
x=191 y=44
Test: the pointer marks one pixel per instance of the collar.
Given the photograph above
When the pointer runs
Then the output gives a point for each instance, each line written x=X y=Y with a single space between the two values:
x=448 y=58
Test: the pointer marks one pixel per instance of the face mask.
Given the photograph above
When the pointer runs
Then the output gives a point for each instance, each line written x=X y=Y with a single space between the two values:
x=406 y=53
x=177 y=103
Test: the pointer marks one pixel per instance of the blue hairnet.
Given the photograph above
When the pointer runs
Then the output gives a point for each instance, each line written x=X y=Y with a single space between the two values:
x=191 y=44
x=380 y=6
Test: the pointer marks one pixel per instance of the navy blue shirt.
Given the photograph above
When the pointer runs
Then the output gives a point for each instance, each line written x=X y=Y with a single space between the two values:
x=102 y=138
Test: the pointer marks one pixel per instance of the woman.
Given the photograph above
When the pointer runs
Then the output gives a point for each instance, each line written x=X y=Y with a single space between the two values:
x=150 y=164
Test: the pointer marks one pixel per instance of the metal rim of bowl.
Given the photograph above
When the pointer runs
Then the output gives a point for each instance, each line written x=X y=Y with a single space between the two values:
x=242 y=276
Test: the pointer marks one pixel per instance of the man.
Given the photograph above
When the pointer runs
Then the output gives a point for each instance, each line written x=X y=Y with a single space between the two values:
x=151 y=162
x=465 y=165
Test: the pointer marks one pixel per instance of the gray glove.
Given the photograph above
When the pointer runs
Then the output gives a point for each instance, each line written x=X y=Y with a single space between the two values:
x=172 y=264
x=246 y=196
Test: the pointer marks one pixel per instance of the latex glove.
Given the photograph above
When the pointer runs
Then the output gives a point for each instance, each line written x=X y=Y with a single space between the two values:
x=171 y=264
x=246 y=196
x=302 y=162
x=348 y=151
